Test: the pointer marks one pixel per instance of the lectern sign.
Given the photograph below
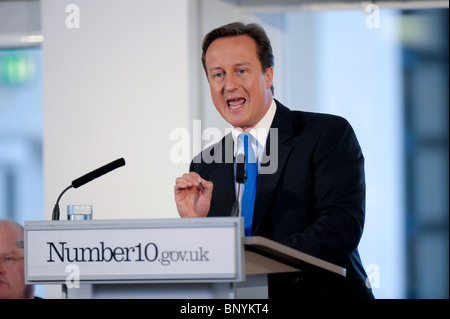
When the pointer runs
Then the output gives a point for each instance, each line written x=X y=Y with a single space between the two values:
x=134 y=250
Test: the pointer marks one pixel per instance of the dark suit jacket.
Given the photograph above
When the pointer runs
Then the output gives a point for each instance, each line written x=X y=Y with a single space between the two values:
x=314 y=201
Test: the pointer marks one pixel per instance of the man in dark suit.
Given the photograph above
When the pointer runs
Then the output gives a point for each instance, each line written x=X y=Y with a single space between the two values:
x=310 y=192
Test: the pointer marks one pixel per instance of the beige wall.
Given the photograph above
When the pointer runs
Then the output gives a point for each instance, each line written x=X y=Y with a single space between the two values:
x=115 y=87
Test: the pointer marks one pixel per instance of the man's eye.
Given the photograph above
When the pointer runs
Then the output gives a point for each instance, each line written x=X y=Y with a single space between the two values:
x=242 y=71
x=217 y=76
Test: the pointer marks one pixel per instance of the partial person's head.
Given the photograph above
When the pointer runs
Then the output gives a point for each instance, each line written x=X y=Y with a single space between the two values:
x=12 y=277
x=238 y=62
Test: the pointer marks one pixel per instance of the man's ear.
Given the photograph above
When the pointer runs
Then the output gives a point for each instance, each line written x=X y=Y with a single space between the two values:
x=269 y=77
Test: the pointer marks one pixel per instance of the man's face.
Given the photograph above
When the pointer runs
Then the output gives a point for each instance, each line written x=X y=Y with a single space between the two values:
x=240 y=88
x=12 y=285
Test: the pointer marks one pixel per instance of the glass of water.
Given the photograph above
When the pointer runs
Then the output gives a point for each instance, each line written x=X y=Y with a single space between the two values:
x=79 y=212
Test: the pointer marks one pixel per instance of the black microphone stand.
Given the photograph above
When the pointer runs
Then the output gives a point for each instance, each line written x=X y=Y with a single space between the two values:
x=86 y=179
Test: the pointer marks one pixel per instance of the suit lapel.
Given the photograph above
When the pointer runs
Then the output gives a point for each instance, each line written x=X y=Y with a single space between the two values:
x=222 y=172
x=276 y=149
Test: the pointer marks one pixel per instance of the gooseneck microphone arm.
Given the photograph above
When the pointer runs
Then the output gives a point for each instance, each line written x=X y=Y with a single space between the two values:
x=86 y=179
x=55 y=214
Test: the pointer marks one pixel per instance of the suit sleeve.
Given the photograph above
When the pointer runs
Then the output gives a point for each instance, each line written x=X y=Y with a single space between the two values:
x=339 y=189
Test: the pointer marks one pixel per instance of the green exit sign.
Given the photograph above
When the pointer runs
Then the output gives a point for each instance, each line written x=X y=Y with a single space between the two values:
x=16 y=69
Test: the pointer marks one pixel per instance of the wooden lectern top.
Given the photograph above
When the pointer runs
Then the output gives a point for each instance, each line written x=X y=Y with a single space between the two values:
x=265 y=256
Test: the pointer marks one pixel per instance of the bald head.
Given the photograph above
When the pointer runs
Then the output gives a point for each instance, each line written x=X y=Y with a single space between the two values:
x=12 y=282
x=13 y=227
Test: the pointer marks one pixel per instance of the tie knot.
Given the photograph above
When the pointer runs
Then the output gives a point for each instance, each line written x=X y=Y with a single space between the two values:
x=246 y=140
x=245 y=137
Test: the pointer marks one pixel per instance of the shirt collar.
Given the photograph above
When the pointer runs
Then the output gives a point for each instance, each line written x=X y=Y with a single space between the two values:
x=259 y=132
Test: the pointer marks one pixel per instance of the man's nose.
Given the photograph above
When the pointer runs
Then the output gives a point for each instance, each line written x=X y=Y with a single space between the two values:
x=231 y=82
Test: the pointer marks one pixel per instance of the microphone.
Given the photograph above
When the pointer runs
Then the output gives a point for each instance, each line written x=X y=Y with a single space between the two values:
x=240 y=169
x=240 y=179
x=86 y=179
x=98 y=172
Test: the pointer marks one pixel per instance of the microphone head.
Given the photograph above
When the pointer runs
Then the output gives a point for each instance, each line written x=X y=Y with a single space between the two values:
x=98 y=172
x=240 y=168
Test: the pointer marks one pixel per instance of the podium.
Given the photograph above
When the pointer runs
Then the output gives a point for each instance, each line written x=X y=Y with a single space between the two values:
x=190 y=258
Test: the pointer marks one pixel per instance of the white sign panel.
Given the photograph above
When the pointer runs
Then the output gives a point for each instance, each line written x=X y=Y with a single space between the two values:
x=130 y=250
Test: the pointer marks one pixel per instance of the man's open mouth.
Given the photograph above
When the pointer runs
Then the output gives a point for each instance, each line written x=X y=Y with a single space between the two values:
x=235 y=103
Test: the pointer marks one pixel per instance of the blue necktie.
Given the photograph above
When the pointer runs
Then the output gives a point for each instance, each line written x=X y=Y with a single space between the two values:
x=251 y=172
